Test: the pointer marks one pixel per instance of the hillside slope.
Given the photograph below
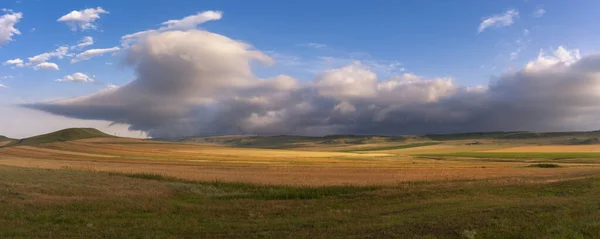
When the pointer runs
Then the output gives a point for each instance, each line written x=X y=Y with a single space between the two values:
x=61 y=136
x=290 y=141
x=4 y=138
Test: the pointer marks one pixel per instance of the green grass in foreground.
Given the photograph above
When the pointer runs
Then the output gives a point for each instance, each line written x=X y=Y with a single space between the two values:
x=245 y=190
x=39 y=203
x=492 y=155
x=404 y=146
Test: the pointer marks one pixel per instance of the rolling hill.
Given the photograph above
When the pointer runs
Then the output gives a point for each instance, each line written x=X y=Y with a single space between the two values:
x=61 y=136
x=4 y=138
x=290 y=141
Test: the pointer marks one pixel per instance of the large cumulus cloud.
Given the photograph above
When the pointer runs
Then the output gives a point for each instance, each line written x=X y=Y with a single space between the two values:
x=194 y=82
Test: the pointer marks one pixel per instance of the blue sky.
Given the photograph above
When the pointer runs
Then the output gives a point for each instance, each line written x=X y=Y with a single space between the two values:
x=427 y=38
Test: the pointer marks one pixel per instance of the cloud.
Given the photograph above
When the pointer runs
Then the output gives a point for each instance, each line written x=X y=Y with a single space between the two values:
x=314 y=45
x=196 y=82
x=381 y=67
x=499 y=20
x=59 y=53
x=560 y=57
x=89 y=54
x=353 y=81
x=187 y=23
x=2 y=86
x=14 y=62
x=77 y=77
x=84 y=42
x=521 y=44
x=191 y=22
x=538 y=12
x=7 y=26
x=47 y=66
x=84 y=19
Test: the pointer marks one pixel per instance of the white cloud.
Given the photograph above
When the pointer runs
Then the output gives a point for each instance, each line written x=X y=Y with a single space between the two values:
x=6 y=77
x=14 y=62
x=539 y=12
x=47 y=66
x=560 y=57
x=84 y=19
x=353 y=81
x=515 y=54
x=381 y=67
x=2 y=86
x=89 y=54
x=314 y=45
x=59 y=53
x=191 y=22
x=77 y=77
x=84 y=42
x=521 y=44
x=499 y=20
x=7 y=26
x=187 y=23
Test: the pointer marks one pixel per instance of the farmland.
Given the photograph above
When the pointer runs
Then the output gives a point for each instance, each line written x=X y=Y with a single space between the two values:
x=81 y=183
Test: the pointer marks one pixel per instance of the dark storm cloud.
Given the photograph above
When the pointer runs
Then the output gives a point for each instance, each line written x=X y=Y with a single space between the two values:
x=200 y=83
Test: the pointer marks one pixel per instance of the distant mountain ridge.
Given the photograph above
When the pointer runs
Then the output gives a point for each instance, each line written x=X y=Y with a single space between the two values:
x=290 y=141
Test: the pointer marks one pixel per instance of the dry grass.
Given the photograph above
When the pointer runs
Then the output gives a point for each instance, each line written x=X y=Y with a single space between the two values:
x=39 y=203
x=60 y=190
x=270 y=166
x=549 y=149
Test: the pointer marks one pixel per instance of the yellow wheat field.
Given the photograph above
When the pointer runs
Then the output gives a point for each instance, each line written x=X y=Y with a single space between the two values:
x=290 y=167
x=549 y=149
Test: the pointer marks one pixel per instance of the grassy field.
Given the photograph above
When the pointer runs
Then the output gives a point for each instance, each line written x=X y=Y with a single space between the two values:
x=82 y=184
x=519 y=155
x=62 y=203
x=404 y=146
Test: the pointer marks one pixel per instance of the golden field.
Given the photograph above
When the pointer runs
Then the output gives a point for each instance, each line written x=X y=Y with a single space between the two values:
x=312 y=165
x=80 y=183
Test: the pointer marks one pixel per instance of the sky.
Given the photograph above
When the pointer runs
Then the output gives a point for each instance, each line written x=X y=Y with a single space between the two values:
x=153 y=68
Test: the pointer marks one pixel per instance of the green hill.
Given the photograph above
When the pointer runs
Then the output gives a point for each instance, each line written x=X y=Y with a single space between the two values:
x=4 y=138
x=290 y=141
x=512 y=135
x=61 y=136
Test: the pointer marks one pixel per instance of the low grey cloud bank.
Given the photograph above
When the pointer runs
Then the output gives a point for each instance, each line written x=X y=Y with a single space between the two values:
x=194 y=82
